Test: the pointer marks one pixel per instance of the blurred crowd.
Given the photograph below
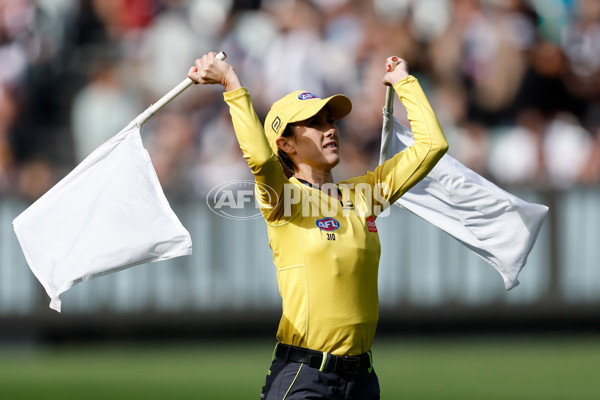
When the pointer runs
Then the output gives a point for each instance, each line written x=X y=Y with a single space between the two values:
x=514 y=83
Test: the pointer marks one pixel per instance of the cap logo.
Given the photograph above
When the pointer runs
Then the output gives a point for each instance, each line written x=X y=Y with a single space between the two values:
x=276 y=125
x=306 y=96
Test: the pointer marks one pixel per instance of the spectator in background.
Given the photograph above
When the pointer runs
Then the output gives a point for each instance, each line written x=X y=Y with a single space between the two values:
x=480 y=57
x=590 y=173
x=219 y=156
x=581 y=45
x=101 y=109
x=167 y=45
x=170 y=143
x=7 y=114
x=501 y=73
x=381 y=36
x=19 y=172
x=547 y=110
x=294 y=58
x=13 y=61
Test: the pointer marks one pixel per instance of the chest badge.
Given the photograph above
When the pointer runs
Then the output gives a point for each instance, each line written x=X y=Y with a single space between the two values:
x=328 y=224
x=371 y=224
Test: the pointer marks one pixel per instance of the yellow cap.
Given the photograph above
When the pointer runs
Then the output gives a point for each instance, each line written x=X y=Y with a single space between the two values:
x=299 y=106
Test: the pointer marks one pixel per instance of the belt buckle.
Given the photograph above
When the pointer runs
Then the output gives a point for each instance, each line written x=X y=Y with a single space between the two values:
x=350 y=365
x=315 y=361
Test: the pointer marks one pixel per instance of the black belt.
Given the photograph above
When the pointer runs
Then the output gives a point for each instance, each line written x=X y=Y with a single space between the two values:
x=325 y=362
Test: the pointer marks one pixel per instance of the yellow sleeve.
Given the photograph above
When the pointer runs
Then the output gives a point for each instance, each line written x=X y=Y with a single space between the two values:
x=397 y=175
x=251 y=137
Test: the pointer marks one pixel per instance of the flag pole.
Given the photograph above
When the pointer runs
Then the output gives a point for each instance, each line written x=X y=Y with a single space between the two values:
x=389 y=93
x=388 y=111
x=389 y=99
x=163 y=101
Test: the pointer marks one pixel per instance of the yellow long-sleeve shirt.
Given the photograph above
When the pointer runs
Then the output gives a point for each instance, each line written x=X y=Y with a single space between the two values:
x=326 y=251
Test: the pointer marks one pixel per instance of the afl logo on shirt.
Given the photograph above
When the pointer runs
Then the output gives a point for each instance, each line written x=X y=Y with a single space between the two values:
x=328 y=224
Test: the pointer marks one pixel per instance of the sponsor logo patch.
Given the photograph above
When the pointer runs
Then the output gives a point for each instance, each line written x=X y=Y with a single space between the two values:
x=307 y=96
x=371 y=224
x=328 y=224
x=276 y=125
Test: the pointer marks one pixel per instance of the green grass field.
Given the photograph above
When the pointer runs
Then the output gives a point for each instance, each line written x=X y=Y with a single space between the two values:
x=453 y=368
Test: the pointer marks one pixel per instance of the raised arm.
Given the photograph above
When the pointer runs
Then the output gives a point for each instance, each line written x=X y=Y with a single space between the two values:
x=209 y=70
x=401 y=172
x=265 y=165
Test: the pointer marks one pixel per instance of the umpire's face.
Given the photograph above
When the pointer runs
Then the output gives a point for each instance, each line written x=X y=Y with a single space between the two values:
x=314 y=142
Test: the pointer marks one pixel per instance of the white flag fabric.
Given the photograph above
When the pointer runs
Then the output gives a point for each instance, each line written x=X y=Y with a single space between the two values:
x=108 y=214
x=497 y=226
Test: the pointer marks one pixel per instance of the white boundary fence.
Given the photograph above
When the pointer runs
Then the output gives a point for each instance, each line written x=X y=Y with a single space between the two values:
x=231 y=267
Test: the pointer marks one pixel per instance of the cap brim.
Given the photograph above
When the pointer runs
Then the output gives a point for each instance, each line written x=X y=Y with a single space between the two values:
x=338 y=104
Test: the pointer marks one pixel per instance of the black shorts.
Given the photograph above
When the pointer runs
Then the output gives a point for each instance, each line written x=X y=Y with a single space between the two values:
x=291 y=380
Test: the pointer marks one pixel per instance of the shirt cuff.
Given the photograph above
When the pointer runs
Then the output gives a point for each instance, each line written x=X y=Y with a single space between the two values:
x=234 y=94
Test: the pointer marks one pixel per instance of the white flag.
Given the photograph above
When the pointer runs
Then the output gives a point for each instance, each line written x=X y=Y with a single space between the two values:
x=497 y=226
x=108 y=214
